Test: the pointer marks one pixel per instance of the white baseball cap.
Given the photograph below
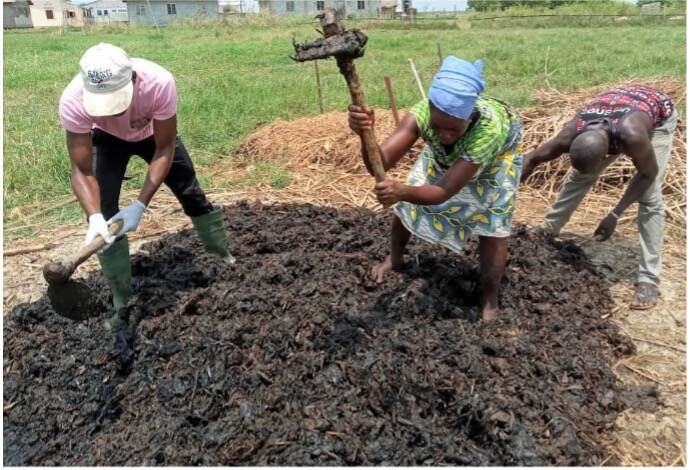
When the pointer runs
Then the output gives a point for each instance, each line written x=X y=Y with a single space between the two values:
x=107 y=74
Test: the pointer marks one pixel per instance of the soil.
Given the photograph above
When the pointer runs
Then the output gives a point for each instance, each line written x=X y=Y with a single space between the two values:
x=293 y=356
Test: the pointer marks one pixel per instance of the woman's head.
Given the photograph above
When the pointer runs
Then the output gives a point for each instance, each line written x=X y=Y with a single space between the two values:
x=448 y=128
x=452 y=96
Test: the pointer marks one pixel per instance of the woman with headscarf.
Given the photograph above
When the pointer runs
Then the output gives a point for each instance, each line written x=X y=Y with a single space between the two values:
x=465 y=180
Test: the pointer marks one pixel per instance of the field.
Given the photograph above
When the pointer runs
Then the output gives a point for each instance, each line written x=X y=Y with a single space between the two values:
x=234 y=77
x=293 y=356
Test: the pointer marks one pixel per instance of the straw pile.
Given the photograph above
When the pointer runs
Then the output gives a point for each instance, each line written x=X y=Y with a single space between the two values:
x=324 y=143
x=325 y=139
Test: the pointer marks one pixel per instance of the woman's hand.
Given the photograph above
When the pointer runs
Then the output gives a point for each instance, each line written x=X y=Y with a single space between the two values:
x=360 y=119
x=389 y=192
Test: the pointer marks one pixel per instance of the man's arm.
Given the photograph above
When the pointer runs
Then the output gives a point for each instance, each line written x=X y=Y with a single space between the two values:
x=638 y=146
x=84 y=182
x=164 y=134
x=549 y=150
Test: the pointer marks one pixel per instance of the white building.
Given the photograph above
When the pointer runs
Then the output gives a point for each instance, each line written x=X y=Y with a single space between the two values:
x=362 y=8
x=234 y=6
x=162 y=12
x=105 y=11
x=57 y=13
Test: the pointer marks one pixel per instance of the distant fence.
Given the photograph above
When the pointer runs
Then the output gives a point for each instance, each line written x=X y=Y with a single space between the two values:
x=588 y=20
x=575 y=19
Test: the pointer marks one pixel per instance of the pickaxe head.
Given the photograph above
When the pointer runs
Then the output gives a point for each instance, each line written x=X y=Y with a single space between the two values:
x=337 y=41
x=69 y=298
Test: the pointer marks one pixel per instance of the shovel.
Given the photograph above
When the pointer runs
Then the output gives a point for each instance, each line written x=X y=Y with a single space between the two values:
x=74 y=299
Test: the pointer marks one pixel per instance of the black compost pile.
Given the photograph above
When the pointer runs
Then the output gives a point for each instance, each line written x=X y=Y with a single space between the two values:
x=293 y=356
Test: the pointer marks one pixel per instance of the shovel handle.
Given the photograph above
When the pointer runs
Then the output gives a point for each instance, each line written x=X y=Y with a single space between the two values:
x=96 y=244
x=372 y=149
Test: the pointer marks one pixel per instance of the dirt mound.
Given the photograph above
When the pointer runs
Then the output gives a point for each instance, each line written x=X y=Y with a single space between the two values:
x=293 y=356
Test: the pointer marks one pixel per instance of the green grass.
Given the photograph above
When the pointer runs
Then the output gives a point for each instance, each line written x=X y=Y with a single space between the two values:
x=233 y=77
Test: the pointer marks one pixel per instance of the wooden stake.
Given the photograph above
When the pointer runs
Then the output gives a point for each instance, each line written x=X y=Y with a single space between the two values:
x=28 y=249
x=391 y=99
x=416 y=76
x=440 y=54
x=318 y=85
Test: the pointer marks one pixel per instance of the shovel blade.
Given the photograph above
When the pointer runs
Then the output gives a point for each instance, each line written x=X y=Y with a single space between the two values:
x=72 y=299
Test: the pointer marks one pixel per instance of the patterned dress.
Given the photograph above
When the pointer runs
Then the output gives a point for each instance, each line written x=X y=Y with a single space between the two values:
x=484 y=206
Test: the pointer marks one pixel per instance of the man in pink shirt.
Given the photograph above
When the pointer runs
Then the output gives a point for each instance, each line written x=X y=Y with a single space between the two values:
x=115 y=108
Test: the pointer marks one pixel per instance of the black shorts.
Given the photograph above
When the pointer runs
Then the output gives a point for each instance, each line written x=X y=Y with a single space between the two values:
x=111 y=156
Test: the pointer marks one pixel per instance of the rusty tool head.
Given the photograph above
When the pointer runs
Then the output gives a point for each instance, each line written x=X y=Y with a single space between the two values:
x=69 y=298
x=73 y=299
x=57 y=272
x=337 y=42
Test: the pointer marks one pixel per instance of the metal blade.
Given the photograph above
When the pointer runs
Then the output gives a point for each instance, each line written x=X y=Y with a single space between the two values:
x=72 y=299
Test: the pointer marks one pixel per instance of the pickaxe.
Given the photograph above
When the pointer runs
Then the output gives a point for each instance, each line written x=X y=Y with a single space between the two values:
x=345 y=45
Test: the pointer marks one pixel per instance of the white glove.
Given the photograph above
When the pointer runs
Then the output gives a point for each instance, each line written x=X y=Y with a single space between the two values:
x=97 y=226
x=130 y=215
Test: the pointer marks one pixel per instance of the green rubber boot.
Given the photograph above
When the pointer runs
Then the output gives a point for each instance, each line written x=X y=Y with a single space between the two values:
x=118 y=271
x=211 y=230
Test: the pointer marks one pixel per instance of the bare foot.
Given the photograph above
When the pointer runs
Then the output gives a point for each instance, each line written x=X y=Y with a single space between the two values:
x=646 y=296
x=489 y=312
x=379 y=271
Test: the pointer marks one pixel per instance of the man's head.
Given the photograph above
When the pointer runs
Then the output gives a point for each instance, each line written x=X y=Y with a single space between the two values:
x=588 y=150
x=107 y=74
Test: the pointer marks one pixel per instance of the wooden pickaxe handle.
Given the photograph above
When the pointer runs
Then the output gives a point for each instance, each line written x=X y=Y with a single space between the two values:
x=371 y=147
x=60 y=271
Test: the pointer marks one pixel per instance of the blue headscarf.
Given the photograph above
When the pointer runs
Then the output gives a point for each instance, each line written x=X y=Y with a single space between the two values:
x=456 y=86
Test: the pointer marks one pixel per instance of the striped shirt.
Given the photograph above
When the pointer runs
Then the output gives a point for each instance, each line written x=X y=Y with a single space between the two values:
x=612 y=107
